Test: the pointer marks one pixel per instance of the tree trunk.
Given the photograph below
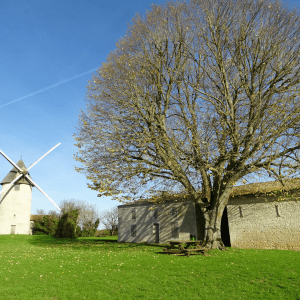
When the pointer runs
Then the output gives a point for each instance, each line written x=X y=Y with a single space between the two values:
x=209 y=227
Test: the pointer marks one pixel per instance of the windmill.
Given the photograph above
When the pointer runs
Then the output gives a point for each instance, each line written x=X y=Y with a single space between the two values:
x=16 y=197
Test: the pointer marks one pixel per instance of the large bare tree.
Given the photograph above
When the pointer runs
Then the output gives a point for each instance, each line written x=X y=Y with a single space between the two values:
x=195 y=98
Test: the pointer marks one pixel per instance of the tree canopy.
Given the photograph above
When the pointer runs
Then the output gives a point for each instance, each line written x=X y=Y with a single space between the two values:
x=195 y=97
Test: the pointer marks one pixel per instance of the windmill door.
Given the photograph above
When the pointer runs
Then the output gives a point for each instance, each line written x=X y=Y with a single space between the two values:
x=13 y=229
x=156 y=232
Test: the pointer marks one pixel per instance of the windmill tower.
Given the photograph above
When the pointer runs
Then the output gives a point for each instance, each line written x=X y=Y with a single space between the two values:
x=16 y=197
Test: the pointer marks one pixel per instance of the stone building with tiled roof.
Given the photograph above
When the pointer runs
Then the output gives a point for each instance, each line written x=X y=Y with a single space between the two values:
x=258 y=215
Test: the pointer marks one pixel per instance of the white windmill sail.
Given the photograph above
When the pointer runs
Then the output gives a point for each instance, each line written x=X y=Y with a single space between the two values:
x=25 y=175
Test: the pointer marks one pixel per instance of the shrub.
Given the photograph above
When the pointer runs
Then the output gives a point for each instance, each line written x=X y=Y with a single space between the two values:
x=90 y=229
x=67 y=225
x=46 y=225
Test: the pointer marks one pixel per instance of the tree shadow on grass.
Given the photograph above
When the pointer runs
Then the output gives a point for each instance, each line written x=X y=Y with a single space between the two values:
x=50 y=241
x=97 y=240
x=146 y=244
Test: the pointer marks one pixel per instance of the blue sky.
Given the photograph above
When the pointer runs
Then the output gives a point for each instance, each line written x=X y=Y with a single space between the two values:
x=49 y=50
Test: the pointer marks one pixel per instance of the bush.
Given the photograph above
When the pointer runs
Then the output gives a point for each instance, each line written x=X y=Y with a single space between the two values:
x=90 y=229
x=47 y=225
x=67 y=225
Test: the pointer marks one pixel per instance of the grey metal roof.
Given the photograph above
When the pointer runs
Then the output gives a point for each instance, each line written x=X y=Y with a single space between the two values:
x=14 y=173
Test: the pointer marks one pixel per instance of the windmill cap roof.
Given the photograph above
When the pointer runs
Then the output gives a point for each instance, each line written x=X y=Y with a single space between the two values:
x=14 y=173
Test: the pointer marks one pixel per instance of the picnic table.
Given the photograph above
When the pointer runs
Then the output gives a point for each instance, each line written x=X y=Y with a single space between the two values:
x=184 y=247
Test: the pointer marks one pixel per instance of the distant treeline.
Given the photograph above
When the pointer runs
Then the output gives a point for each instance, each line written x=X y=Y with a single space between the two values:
x=65 y=226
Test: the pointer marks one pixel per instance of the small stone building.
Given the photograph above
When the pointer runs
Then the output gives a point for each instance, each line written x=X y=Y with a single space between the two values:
x=259 y=215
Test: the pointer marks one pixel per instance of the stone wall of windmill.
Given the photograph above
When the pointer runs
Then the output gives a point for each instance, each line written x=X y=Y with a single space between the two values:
x=15 y=209
x=15 y=204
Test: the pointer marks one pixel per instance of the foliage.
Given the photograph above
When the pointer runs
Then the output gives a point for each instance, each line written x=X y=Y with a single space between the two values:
x=40 y=233
x=67 y=225
x=78 y=231
x=54 y=214
x=87 y=212
x=196 y=97
x=103 y=232
x=48 y=225
x=86 y=221
x=90 y=229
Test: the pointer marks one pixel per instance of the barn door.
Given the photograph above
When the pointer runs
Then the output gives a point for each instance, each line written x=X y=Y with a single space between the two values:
x=156 y=232
x=13 y=229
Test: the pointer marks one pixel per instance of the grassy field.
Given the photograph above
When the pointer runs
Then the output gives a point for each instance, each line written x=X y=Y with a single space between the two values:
x=41 y=267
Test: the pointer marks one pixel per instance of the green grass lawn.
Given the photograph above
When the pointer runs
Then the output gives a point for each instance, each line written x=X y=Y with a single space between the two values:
x=42 y=267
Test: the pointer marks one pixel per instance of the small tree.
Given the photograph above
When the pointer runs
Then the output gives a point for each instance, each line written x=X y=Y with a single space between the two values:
x=87 y=212
x=89 y=228
x=67 y=225
x=96 y=224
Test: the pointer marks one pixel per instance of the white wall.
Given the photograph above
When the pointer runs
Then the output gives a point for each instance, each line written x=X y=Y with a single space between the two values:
x=15 y=208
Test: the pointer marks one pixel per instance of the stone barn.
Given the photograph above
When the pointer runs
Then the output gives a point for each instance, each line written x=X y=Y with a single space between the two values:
x=259 y=215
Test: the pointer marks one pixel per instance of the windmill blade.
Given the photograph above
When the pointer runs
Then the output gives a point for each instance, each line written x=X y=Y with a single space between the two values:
x=43 y=156
x=42 y=191
x=11 y=183
x=18 y=168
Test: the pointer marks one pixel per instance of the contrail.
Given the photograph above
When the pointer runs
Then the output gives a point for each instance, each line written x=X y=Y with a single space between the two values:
x=49 y=87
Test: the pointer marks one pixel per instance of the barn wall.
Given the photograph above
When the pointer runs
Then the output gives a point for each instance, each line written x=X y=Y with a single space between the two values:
x=254 y=222
x=145 y=219
x=15 y=209
x=258 y=223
